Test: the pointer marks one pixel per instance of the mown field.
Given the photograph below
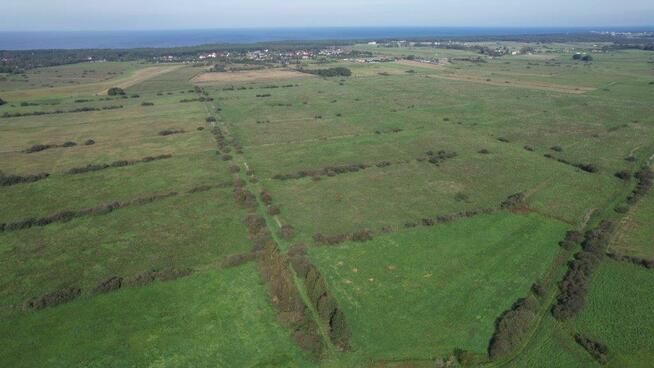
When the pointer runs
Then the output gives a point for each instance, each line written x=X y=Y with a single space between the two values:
x=279 y=218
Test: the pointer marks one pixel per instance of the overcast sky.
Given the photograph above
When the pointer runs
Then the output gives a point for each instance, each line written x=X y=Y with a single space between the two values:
x=196 y=14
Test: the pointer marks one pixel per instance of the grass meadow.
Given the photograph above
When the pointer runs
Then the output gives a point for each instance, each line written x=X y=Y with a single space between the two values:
x=517 y=124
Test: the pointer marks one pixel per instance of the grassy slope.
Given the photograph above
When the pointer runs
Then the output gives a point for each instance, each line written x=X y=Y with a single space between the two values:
x=210 y=319
x=421 y=293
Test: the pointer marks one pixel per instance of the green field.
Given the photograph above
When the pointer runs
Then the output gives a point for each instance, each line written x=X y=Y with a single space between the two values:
x=330 y=156
x=437 y=288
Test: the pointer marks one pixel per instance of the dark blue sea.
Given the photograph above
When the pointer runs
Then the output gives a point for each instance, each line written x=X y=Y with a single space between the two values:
x=139 y=39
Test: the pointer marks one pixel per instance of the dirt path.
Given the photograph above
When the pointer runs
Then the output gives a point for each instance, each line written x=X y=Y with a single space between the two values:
x=142 y=75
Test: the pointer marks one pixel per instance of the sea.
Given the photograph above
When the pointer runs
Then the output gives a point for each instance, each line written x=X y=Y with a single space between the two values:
x=174 y=38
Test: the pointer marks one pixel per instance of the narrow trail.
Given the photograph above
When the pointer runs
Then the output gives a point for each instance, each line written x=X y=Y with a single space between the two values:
x=239 y=159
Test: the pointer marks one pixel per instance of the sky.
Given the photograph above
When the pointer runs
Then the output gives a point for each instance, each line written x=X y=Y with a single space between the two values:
x=72 y=15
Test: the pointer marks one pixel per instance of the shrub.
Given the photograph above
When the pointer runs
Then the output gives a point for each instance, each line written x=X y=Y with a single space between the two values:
x=597 y=350
x=529 y=147
x=211 y=119
x=287 y=232
x=513 y=201
x=502 y=139
x=52 y=299
x=484 y=151
x=623 y=175
x=266 y=197
x=574 y=286
x=556 y=148
x=362 y=236
x=7 y=180
x=200 y=128
x=144 y=103
x=39 y=148
x=89 y=142
x=226 y=157
x=171 y=131
x=591 y=168
x=512 y=326
x=238 y=259
x=69 y=144
x=245 y=197
x=273 y=210
x=2 y=102
x=115 y=91
x=108 y=285
x=330 y=72
x=234 y=169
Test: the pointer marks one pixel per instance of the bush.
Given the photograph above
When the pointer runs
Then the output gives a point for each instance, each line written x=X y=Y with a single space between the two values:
x=529 y=147
x=89 y=142
x=53 y=299
x=171 y=132
x=512 y=326
x=623 y=175
x=211 y=119
x=144 y=103
x=502 y=139
x=484 y=151
x=273 y=210
x=238 y=259
x=7 y=180
x=115 y=91
x=597 y=350
x=287 y=232
x=39 y=148
x=362 y=236
x=108 y=285
x=69 y=144
x=556 y=148
x=329 y=72
x=234 y=169
x=513 y=201
x=2 y=102
x=266 y=197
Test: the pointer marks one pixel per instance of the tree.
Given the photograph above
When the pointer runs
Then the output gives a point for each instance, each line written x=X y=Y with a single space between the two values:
x=587 y=58
x=115 y=91
x=576 y=57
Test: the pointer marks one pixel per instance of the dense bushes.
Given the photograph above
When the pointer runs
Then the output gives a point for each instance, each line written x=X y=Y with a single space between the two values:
x=7 y=180
x=645 y=177
x=166 y=132
x=120 y=163
x=108 y=285
x=38 y=113
x=321 y=299
x=52 y=299
x=286 y=300
x=326 y=171
x=39 y=148
x=115 y=91
x=238 y=259
x=591 y=168
x=512 y=326
x=244 y=197
x=358 y=236
x=68 y=215
x=150 y=276
x=572 y=238
x=329 y=72
x=437 y=158
x=513 y=201
x=199 y=99
x=596 y=349
x=647 y=263
x=574 y=287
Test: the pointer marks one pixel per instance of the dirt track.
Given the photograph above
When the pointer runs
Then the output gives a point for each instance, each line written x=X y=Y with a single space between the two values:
x=248 y=76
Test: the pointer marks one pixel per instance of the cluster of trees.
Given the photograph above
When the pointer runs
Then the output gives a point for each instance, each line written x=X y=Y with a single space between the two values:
x=574 y=287
x=329 y=72
x=119 y=163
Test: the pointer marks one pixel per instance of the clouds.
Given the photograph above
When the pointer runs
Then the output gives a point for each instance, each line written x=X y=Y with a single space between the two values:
x=176 y=14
